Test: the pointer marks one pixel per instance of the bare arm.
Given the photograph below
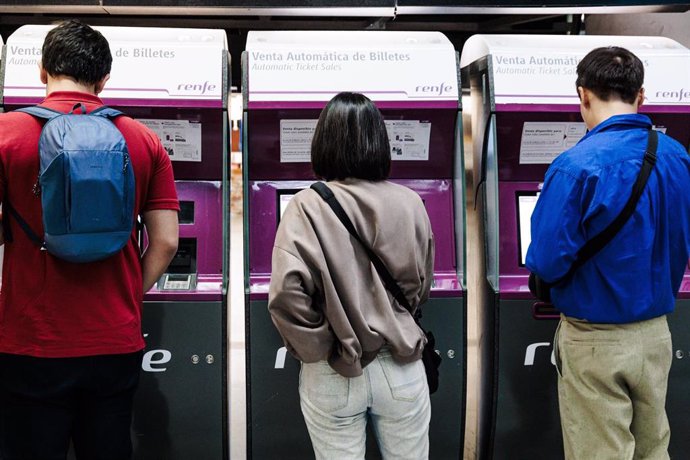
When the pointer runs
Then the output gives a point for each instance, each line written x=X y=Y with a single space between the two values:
x=163 y=233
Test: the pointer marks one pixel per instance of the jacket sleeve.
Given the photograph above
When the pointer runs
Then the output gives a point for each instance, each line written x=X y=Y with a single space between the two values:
x=428 y=279
x=556 y=229
x=299 y=320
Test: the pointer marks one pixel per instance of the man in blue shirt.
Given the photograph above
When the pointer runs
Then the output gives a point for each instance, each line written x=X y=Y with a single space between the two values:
x=613 y=346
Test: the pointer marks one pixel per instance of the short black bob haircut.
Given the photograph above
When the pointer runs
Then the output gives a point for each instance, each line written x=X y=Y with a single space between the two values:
x=350 y=140
x=611 y=72
x=75 y=50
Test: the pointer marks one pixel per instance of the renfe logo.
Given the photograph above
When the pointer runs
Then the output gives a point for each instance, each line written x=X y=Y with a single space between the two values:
x=677 y=95
x=531 y=351
x=439 y=90
x=154 y=358
x=199 y=88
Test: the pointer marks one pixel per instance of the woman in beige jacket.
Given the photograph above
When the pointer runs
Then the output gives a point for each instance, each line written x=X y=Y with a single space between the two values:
x=360 y=350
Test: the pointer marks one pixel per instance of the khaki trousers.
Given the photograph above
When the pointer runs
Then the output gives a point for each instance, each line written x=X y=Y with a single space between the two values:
x=612 y=389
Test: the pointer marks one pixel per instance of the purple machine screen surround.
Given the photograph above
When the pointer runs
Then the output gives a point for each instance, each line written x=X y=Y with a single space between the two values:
x=199 y=189
x=517 y=180
x=264 y=137
x=272 y=183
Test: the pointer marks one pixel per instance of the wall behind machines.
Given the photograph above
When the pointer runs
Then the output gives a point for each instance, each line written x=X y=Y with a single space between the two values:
x=674 y=26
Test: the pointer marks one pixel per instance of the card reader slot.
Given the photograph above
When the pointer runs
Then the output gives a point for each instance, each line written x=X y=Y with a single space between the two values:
x=185 y=257
x=543 y=310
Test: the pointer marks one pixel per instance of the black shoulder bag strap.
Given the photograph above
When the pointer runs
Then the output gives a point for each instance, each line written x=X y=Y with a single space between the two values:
x=388 y=280
x=597 y=243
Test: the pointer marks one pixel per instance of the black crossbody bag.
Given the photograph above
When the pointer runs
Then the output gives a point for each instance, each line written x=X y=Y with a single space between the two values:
x=540 y=288
x=430 y=358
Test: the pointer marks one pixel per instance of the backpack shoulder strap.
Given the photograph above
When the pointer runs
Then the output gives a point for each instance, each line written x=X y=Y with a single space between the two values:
x=40 y=112
x=106 y=112
x=22 y=223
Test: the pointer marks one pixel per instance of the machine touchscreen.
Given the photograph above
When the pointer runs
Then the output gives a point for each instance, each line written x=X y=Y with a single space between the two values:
x=525 y=206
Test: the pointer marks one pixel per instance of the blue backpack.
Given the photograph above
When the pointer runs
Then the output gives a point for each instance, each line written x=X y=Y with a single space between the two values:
x=86 y=184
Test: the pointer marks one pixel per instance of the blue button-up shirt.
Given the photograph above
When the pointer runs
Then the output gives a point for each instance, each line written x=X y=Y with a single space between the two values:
x=638 y=274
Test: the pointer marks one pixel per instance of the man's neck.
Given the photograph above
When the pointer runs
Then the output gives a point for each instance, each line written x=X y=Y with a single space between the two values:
x=68 y=84
x=609 y=109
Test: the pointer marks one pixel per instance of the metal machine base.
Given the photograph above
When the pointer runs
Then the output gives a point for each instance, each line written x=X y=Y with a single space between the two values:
x=678 y=397
x=276 y=428
x=526 y=422
x=179 y=408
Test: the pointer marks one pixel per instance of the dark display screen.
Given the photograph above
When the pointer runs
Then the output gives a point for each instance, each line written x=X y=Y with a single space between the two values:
x=186 y=214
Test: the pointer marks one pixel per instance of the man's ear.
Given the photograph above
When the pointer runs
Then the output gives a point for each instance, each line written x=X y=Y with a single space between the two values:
x=101 y=83
x=640 y=98
x=43 y=74
x=585 y=97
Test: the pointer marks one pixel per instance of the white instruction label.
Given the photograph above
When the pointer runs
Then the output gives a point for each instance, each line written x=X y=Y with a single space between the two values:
x=180 y=138
x=409 y=139
x=542 y=142
x=295 y=140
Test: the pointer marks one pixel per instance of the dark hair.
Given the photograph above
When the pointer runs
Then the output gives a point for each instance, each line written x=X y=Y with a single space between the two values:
x=75 y=50
x=350 y=140
x=611 y=71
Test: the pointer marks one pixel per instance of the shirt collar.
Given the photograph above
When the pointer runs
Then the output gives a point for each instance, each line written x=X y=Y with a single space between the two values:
x=72 y=96
x=621 y=122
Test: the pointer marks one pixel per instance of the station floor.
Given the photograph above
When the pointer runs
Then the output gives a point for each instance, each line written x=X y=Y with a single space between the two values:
x=236 y=361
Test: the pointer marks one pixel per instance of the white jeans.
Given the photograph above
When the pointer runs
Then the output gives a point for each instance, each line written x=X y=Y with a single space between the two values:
x=395 y=396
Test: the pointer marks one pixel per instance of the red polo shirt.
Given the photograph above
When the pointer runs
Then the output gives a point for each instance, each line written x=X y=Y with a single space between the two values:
x=52 y=308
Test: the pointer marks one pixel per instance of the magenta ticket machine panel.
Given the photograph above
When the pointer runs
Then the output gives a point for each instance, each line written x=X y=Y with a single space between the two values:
x=288 y=77
x=525 y=111
x=174 y=81
x=2 y=109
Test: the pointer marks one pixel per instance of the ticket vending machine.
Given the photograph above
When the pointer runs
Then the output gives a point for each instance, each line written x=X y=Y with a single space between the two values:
x=175 y=81
x=525 y=111
x=288 y=77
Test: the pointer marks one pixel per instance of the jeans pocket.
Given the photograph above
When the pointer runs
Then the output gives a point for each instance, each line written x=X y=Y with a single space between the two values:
x=324 y=387
x=406 y=381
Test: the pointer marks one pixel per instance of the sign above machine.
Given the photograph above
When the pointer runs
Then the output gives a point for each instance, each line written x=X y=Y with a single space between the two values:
x=308 y=68
x=151 y=66
x=528 y=69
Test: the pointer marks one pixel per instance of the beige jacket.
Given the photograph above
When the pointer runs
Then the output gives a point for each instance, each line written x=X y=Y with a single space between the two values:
x=326 y=298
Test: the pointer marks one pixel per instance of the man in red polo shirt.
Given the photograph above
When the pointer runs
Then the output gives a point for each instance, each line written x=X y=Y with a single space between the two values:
x=70 y=334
